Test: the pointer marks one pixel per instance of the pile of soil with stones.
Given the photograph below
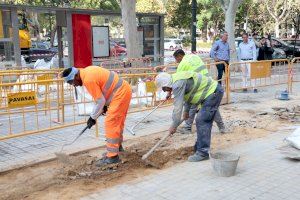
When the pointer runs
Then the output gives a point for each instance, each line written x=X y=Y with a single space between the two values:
x=83 y=166
x=290 y=114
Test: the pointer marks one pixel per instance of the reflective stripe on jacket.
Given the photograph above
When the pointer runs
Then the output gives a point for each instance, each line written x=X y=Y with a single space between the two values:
x=203 y=86
x=101 y=84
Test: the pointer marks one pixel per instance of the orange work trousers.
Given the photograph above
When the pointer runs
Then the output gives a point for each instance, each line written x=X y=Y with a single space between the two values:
x=115 y=119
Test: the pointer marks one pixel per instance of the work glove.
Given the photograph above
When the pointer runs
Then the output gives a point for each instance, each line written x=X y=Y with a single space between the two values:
x=104 y=110
x=169 y=94
x=91 y=122
x=172 y=130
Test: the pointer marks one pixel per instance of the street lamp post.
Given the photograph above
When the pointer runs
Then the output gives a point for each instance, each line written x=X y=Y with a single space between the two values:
x=194 y=24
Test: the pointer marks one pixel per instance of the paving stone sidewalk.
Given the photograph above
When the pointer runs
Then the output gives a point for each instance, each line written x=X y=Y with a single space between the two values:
x=31 y=149
x=263 y=174
x=18 y=152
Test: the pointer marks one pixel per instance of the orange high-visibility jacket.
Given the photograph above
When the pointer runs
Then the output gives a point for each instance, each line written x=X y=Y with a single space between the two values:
x=101 y=84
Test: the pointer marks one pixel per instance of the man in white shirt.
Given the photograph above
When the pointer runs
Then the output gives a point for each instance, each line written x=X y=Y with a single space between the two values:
x=246 y=53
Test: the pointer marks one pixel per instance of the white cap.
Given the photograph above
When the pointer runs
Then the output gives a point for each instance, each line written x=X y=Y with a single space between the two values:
x=163 y=80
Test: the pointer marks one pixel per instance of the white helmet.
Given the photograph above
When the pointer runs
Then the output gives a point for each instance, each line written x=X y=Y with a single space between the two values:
x=163 y=80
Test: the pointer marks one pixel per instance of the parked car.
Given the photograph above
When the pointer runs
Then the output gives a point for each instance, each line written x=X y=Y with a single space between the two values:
x=117 y=49
x=40 y=50
x=40 y=45
x=287 y=48
x=278 y=53
x=172 y=44
x=292 y=41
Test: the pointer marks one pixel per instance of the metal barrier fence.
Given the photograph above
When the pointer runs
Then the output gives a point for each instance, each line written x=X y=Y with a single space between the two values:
x=34 y=106
x=252 y=75
x=294 y=71
x=35 y=101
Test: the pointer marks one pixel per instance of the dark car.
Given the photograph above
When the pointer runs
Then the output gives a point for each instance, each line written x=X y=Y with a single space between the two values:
x=40 y=50
x=289 y=49
x=292 y=41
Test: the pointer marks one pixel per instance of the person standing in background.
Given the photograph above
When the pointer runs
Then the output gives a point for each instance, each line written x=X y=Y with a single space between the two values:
x=265 y=51
x=220 y=51
x=256 y=42
x=246 y=54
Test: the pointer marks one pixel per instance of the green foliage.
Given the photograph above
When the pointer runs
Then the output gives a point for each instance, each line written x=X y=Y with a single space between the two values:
x=150 y=6
x=182 y=15
x=112 y=5
x=209 y=14
x=186 y=41
x=109 y=5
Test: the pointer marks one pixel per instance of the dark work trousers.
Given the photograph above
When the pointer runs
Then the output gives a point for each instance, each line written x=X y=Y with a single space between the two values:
x=221 y=70
x=204 y=120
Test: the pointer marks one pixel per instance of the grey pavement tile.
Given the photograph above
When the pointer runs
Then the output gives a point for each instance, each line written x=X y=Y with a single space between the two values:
x=196 y=181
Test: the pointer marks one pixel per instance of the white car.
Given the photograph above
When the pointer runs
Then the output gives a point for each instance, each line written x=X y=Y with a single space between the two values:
x=172 y=44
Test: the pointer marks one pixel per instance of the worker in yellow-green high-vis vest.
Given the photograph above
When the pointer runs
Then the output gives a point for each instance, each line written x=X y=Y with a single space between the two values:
x=194 y=63
x=191 y=88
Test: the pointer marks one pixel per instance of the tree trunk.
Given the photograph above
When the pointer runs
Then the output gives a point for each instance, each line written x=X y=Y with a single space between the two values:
x=52 y=35
x=130 y=28
x=276 y=27
x=204 y=33
x=36 y=25
x=230 y=28
x=246 y=24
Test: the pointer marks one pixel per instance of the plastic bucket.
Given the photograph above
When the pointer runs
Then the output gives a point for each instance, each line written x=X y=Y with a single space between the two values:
x=224 y=164
x=284 y=95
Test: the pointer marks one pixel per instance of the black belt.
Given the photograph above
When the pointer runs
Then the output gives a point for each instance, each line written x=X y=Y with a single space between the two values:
x=247 y=59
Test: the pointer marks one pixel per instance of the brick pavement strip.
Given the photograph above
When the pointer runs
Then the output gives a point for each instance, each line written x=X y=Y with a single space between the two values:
x=18 y=152
x=263 y=173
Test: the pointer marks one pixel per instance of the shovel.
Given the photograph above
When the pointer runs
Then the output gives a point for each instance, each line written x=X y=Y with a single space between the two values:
x=131 y=129
x=145 y=156
x=63 y=157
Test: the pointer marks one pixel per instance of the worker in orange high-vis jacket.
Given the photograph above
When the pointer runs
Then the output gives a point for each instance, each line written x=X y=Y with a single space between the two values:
x=107 y=89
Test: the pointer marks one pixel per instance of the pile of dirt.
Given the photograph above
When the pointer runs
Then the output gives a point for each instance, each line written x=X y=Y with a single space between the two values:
x=289 y=114
x=83 y=166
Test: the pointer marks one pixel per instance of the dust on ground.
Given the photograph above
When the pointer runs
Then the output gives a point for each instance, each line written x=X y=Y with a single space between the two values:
x=54 y=180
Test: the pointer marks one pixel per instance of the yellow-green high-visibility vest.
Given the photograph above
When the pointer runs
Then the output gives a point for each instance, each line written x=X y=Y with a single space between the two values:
x=192 y=63
x=203 y=86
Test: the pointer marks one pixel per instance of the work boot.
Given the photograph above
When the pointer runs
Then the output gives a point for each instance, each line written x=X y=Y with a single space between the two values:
x=107 y=160
x=197 y=157
x=184 y=130
x=223 y=130
x=221 y=127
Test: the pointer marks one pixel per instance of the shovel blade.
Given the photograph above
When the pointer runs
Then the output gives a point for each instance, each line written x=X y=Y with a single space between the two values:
x=62 y=157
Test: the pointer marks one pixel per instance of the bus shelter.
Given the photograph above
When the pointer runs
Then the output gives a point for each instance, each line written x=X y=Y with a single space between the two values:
x=74 y=33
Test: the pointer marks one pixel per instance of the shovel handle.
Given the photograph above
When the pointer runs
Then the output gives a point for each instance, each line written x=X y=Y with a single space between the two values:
x=148 y=114
x=155 y=147
x=79 y=135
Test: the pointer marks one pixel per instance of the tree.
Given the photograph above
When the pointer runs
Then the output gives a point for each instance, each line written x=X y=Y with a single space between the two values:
x=150 y=6
x=130 y=28
x=230 y=8
x=279 y=11
x=182 y=15
x=210 y=16
x=112 y=5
